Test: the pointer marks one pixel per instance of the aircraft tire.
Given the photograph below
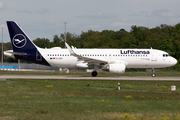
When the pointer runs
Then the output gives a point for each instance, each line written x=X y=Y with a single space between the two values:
x=94 y=74
x=153 y=75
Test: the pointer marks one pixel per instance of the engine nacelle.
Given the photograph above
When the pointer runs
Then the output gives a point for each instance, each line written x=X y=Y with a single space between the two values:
x=82 y=65
x=117 y=68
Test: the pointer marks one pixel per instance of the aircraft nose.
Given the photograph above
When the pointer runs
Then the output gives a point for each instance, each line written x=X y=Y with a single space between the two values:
x=174 y=61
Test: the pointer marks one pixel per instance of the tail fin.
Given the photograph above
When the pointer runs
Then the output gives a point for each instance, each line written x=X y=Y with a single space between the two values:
x=23 y=47
x=20 y=41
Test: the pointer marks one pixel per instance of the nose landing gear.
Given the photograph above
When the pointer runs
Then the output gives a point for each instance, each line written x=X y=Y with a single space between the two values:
x=153 y=74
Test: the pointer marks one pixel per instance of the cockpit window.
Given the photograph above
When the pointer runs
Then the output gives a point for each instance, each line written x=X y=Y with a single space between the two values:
x=166 y=55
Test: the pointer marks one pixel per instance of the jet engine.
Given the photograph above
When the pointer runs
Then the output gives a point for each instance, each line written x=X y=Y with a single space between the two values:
x=115 y=68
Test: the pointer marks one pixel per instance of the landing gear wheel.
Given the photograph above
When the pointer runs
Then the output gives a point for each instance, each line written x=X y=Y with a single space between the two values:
x=94 y=74
x=153 y=75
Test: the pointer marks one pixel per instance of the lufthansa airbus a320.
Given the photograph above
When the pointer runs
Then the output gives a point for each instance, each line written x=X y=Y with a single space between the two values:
x=112 y=60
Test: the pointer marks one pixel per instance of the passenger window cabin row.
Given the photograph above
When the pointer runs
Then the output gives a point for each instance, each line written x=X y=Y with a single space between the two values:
x=100 y=55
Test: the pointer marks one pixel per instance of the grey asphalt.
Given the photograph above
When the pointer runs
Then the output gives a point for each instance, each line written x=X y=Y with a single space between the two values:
x=3 y=77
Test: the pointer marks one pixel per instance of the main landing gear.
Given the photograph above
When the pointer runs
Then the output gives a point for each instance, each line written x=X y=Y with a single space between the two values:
x=94 y=74
x=153 y=74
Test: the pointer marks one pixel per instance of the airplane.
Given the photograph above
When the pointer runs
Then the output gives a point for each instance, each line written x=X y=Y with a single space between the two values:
x=112 y=60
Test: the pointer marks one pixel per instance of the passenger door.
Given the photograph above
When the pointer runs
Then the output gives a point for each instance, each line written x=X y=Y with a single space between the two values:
x=154 y=56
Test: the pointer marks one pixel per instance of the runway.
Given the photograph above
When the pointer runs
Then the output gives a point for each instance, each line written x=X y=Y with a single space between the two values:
x=3 y=77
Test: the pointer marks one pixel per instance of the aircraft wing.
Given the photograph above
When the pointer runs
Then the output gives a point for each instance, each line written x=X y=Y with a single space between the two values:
x=85 y=59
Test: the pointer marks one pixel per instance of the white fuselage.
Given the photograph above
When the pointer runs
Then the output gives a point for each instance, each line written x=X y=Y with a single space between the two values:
x=135 y=58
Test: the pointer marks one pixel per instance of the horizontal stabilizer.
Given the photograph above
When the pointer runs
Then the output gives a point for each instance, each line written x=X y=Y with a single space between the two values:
x=14 y=53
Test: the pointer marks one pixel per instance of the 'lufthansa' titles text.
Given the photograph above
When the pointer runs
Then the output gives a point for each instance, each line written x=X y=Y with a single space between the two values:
x=134 y=52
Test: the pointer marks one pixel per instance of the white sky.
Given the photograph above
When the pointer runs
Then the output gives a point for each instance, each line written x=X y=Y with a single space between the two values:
x=45 y=18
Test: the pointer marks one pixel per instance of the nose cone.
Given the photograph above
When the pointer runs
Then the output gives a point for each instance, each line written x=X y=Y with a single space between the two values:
x=173 y=61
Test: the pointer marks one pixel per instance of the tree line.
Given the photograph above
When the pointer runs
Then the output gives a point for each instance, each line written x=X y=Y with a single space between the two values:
x=163 y=37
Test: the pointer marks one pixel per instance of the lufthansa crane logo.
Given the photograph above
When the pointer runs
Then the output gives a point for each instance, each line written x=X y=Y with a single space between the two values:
x=19 y=40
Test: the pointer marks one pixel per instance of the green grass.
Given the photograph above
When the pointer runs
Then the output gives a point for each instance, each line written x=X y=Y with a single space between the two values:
x=83 y=73
x=70 y=99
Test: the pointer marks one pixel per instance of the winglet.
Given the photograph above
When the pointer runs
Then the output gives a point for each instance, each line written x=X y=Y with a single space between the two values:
x=70 y=50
